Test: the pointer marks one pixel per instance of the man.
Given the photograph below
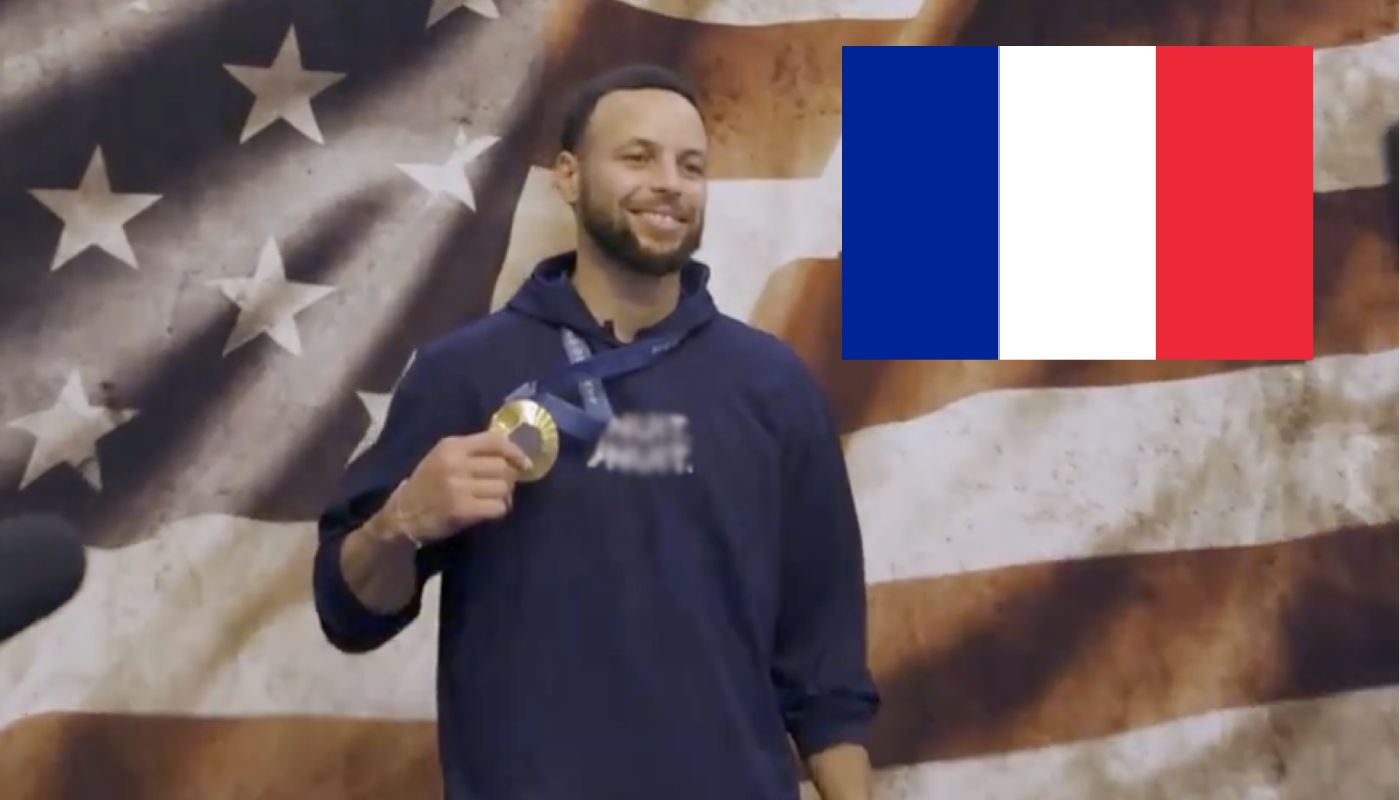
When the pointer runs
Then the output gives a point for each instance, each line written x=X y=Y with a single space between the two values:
x=683 y=589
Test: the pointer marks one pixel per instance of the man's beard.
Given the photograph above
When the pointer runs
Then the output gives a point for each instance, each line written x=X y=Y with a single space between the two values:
x=615 y=237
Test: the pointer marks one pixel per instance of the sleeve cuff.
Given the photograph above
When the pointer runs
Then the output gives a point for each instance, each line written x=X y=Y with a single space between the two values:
x=833 y=721
x=349 y=623
x=813 y=739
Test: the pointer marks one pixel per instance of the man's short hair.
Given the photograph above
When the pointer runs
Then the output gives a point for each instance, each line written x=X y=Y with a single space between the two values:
x=633 y=76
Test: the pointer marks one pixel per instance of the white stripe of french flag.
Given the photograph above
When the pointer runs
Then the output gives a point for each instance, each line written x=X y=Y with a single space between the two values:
x=1077 y=203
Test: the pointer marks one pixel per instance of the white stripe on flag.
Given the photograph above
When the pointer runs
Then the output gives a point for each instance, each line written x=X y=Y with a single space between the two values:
x=1355 y=99
x=1251 y=457
x=1340 y=746
x=1077 y=180
x=211 y=616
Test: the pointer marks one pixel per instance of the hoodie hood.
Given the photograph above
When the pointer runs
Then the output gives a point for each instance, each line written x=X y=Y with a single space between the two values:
x=549 y=296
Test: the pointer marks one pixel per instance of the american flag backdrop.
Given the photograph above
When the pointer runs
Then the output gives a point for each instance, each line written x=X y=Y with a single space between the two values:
x=226 y=224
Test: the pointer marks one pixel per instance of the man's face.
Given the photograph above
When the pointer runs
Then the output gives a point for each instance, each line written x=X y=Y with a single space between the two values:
x=640 y=180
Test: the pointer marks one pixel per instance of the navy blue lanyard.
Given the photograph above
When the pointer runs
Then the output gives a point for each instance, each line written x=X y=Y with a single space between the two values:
x=588 y=372
x=595 y=397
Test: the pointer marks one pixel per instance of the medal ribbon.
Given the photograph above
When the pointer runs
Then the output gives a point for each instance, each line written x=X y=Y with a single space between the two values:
x=588 y=372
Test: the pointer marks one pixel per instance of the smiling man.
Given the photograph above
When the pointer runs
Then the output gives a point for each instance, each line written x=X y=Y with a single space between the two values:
x=652 y=577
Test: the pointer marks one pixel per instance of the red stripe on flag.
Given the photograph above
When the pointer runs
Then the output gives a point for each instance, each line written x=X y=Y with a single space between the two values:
x=1234 y=203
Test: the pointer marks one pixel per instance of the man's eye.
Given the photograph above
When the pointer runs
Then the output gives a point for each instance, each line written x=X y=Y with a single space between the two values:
x=635 y=158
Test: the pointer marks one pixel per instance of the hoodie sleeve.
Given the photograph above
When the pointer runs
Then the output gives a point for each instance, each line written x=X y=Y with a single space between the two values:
x=825 y=689
x=415 y=422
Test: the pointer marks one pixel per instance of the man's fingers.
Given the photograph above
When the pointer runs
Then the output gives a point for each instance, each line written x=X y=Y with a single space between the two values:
x=490 y=466
x=497 y=442
x=494 y=509
x=492 y=488
x=482 y=500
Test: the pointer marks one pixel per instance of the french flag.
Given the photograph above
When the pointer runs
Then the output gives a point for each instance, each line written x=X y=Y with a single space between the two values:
x=1077 y=203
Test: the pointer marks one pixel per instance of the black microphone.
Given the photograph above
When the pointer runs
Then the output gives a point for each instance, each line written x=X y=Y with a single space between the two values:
x=42 y=563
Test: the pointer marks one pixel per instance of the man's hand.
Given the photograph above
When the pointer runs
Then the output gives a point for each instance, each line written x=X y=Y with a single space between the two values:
x=842 y=773
x=462 y=481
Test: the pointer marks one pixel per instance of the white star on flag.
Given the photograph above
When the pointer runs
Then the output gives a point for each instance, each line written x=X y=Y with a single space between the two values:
x=267 y=302
x=67 y=433
x=450 y=177
x=93 y=214
x=441 y=8
x=283 y=90
x=377 y=406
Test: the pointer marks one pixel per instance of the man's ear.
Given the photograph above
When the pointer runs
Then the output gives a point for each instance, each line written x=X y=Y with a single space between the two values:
x=566 y=177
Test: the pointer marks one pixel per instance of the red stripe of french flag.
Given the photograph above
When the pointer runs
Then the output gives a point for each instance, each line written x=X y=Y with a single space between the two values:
x=1234 y=202
x=1155 y=202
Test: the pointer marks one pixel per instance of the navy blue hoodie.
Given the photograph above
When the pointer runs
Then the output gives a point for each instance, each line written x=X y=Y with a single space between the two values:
x=621 y=633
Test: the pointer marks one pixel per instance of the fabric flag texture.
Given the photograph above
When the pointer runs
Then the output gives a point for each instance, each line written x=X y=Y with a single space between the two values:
x=1078 y=202
x=1089 y=580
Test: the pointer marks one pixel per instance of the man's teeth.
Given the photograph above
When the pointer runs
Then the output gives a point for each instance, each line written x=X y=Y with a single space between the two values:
x=657 y=216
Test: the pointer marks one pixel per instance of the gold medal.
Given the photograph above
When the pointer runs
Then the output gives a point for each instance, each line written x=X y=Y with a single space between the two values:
x=533 y=430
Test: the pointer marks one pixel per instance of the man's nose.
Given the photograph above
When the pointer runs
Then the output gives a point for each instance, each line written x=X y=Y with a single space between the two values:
x=666 y=177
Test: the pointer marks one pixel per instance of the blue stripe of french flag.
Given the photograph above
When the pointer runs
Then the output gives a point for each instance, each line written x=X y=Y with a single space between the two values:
x=1077 y=203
